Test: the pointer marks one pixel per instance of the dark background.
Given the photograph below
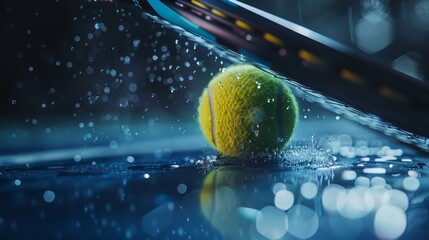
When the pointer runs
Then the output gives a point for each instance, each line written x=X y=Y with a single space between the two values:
x=92 y=72
x=89 y=73
x=61 y=53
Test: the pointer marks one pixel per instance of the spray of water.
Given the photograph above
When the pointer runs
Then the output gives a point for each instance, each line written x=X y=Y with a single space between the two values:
x=315 y=154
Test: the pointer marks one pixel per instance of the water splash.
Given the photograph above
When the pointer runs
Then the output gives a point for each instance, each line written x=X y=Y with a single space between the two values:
x=316 y=154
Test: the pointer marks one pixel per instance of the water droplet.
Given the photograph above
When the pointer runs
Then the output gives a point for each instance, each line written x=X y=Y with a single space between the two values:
x=284 y=199
x=256 y=132
x=271 y=222
x=49 y=196
x=77 y=158
x=182 y=188
x=113 y=144
x=17 y=182
x=130 y=159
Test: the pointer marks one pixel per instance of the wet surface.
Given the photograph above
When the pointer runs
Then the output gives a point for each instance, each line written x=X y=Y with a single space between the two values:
x=195 y=195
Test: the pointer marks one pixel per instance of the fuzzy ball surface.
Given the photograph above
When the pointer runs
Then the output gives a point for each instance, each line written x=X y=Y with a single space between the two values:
x=246 y=111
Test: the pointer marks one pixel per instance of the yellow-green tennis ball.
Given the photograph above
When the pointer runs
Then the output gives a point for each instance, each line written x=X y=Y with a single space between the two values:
x=246 y=111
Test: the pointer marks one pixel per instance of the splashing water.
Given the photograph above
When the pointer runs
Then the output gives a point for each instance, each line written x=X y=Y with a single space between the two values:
x=316 y=154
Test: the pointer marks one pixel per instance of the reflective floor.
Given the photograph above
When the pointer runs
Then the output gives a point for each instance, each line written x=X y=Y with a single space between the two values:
x=346 y=188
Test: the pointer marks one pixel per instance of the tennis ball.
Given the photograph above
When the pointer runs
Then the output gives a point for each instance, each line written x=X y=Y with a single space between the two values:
x=232 y=198
x=226 y=193
x=245 y=111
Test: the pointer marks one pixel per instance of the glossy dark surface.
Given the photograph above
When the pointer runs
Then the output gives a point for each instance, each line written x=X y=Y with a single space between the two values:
x=141 y=201
x=350 y=186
